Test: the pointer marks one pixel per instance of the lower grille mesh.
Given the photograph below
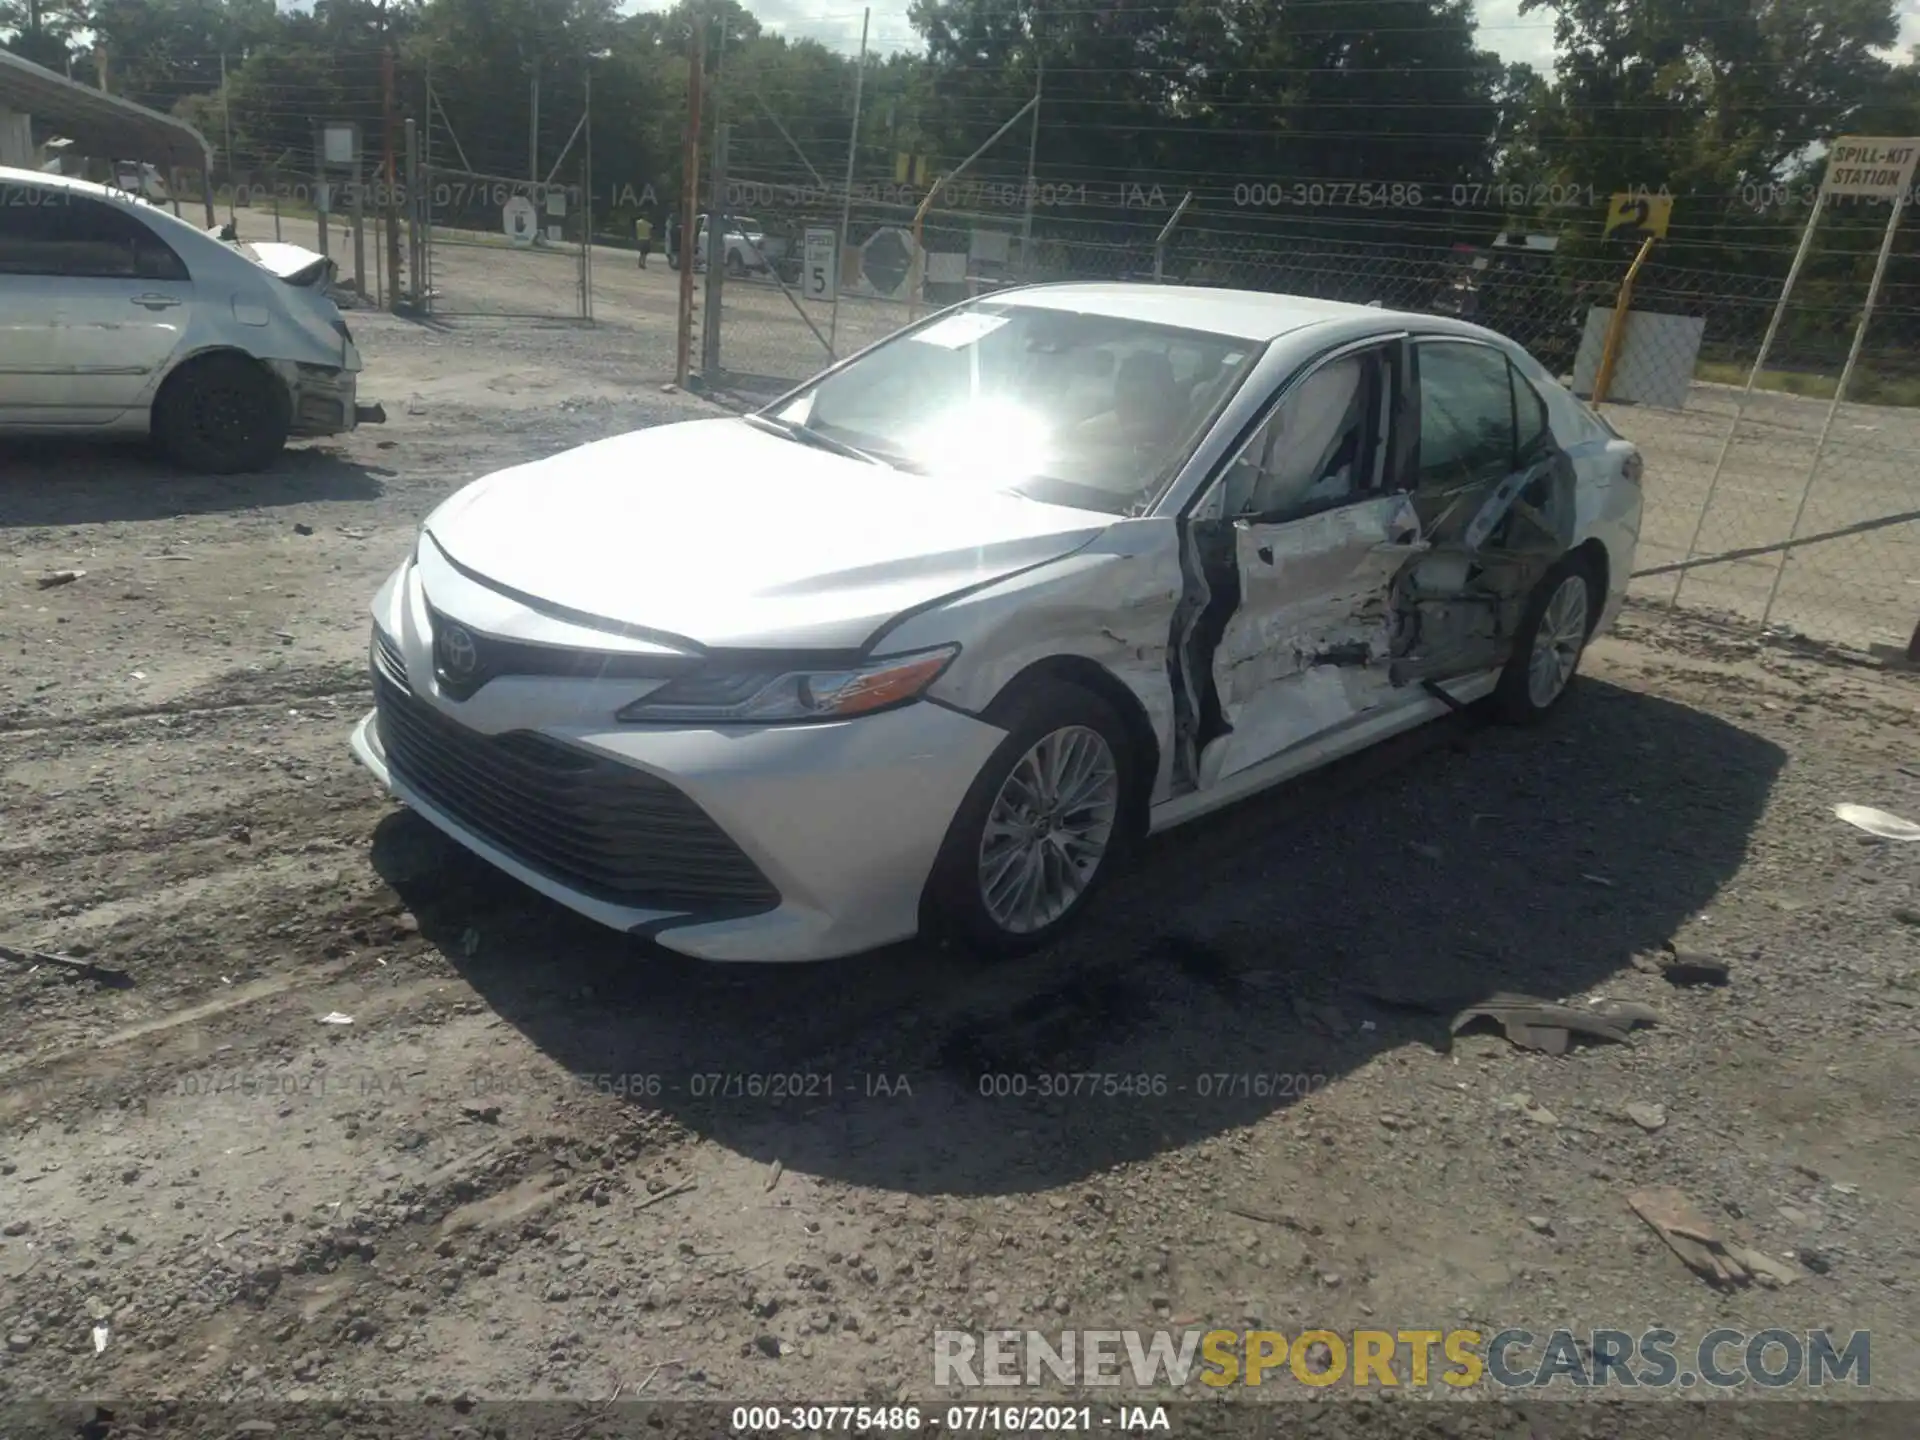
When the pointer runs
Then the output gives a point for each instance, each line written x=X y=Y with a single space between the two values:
x=612 y=832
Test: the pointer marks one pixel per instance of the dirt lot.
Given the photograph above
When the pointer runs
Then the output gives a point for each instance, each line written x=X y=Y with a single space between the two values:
x=505 y=1177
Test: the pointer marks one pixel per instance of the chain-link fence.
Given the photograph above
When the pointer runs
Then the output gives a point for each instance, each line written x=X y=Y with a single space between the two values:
x=1764 y=506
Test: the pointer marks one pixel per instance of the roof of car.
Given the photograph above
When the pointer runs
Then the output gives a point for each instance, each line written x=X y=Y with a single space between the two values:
x=11 y=176
x=1253 y=315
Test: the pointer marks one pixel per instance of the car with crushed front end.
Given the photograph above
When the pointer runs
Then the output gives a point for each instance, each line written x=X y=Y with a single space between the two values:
x=929 y=642
x=119 y=318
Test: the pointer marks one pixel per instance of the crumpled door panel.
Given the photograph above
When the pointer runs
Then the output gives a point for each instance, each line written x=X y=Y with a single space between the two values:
x=1457 y=608
x=1438 y=593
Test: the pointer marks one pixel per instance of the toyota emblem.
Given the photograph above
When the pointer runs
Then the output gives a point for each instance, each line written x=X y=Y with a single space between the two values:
x=459 y=655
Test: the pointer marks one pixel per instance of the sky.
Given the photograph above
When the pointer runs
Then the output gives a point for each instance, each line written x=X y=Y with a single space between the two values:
x=836 y=23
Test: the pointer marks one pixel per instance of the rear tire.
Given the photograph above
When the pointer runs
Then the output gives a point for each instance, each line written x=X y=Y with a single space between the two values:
x=1042 y=828
x=222 y=415
x=1554 y=631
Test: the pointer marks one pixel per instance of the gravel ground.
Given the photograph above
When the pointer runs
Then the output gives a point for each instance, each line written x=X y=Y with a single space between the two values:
x=505 y=1179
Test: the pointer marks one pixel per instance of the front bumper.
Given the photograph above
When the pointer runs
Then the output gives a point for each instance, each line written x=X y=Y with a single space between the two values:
x=842 y=820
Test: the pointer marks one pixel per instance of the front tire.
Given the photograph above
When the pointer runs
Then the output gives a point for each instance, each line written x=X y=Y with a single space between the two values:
x=1554 y=631
x=1042 y=827
x=222 y=415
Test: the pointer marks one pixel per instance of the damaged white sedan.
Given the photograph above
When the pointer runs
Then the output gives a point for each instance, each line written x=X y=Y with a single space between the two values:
x=925 y=644
x=119 y=318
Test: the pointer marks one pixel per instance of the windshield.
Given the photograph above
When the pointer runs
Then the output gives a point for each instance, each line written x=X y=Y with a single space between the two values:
x=1071 y=409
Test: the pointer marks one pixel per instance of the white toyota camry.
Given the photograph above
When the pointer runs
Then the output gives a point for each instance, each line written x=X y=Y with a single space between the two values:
x=926 y=643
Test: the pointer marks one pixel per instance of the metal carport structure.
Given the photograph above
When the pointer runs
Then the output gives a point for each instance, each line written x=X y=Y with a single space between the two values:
x=100 y=125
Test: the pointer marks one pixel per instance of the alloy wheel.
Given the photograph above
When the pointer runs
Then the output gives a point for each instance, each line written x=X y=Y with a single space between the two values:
x=1558 y=642
x=1049 y=829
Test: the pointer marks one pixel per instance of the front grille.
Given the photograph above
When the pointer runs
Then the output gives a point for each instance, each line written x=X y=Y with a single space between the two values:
x=614 y=833
x=388 y=662
x=495 y=657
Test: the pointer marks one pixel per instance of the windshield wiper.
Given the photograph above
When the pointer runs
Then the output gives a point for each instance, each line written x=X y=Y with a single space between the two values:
x=808 y=436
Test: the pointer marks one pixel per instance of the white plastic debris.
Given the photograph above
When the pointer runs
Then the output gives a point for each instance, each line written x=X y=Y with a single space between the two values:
x=336 y=1018
x=1878 y=822
x=100 y=1337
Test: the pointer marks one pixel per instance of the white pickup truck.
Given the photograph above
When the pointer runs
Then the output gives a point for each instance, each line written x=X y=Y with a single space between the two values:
x=748 y=249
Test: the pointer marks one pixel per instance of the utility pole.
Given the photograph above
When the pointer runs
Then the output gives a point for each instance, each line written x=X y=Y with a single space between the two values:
x=533 y=132
x=689 y=197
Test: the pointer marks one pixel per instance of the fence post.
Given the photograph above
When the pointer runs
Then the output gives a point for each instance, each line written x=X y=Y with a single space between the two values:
x=1839 y=392
x=1166 y=234
x=1617 y=327
x=359 y=222
x=919 y=280
x=413 y=213
x=390 y=211
x=846 y=199
x=586 y=203
x=1753 y=378
x=716 y=257
x=689 y=201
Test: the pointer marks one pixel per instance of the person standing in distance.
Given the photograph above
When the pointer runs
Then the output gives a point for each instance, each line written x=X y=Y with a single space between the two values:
x=643 y=235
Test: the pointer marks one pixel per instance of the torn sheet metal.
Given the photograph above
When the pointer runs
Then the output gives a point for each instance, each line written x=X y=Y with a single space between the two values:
x=1457 y=608
x=1304 y=645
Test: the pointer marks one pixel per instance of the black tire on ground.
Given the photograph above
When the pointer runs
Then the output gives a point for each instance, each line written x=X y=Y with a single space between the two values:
x=953 y=905
x=736 y=267
x=1514 y=699
x=222 y=414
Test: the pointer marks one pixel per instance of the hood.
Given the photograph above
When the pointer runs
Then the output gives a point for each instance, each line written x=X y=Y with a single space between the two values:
x=294 y=264
x=729 y=536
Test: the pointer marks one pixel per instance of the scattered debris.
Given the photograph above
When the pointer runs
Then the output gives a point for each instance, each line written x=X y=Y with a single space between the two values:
x=302 y=528
x=1684 y=967
x=100 y=1337
x=1267 y=1217
x=80 y=969
x=485 y=1114
x=1814 y=1260
x=351 y=532
x=336 y=1018
x=1540 y=1224
x=773 y=1175
x=1767 y=1270
x=1534 y=1024
x=1600 y=880
x=682 y=1188
x=1646 y=1115
x=1878 y=822
x=1531 y=1108
x=55 y=578
x=1690 y=1235
x=1842 y=1187
x=1630 y=1013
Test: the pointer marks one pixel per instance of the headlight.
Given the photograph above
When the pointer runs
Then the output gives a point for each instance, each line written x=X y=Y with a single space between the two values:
x=773 y=697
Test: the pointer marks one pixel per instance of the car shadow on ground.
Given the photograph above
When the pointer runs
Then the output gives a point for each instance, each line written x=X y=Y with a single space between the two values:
x=1232 y=967
x=87 y=482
